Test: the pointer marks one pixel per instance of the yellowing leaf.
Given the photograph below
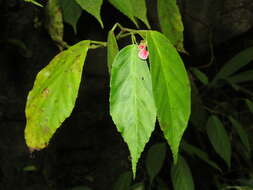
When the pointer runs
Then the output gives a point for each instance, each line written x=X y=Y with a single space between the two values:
x=53 y=96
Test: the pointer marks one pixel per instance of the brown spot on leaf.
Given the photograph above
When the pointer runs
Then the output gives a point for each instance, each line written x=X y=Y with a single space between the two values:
x=45 y=92
x=46 y=129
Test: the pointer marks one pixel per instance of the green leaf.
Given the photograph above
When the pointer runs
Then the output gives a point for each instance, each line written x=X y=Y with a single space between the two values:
x=171 y=22
x=124 y=181
x=250 y=105
x=132 y=9
x=181 y=176
x=155 y=160
x=125 y=7
x=195 y=151
x=200 y=75
x=241 y=77
x=241 y=132
x=93 y=7
x=53 y=96
x=219 y=138
x=131 y=100
x=171 y=89
x=30 y=168
x=112 y=49
x=34 y=2
x=236 y=63
x=140 y=11
x=71 y=12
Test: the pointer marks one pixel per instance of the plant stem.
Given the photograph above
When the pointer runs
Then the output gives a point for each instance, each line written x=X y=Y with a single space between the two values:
x=124 y=32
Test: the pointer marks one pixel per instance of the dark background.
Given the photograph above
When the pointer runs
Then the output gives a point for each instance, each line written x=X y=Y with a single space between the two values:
x=87 y=149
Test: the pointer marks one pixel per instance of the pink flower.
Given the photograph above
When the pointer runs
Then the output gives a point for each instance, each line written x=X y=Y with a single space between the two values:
x=143 y=54
x=142 y=46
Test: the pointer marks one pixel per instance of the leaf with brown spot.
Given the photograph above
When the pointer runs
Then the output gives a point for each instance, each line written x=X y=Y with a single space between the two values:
x=52 y=99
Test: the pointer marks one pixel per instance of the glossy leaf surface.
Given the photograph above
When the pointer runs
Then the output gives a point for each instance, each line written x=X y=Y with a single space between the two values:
x=93 y=7
x=219 y=138
x=155 y=159
x=181 y=176
x=71 y=12
x=131 y=100
x=171 y=22
x=171 y=89
x=53 y=96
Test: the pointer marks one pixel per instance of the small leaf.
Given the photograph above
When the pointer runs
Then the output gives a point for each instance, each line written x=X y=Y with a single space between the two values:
x=132 y=9
x=236 y=63
x=241 y=132
x=131 y=100
x=171 y=89
x=200 y=75
x=219 y=138
x=171 y=22
x=112 y=49
x=241 y=77
x=34 y=2
x=53 y=96
x=93 y=7
x=155 y=160
x=181 y=176
x=71 y=12
x=250 y=105
x=124 y=181
x=30 y=168
x=193 y=150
